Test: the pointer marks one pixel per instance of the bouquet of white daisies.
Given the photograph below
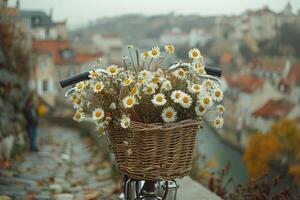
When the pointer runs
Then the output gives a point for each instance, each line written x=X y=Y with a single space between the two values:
x=141 y=91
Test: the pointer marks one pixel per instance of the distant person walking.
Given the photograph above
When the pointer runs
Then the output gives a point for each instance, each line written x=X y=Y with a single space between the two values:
x=32 y=121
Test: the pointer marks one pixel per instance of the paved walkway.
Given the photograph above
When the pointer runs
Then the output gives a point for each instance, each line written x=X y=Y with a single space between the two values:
x=64 y=168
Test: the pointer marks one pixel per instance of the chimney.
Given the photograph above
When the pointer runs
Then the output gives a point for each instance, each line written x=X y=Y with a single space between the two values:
x=18 y=4
x=51 y=13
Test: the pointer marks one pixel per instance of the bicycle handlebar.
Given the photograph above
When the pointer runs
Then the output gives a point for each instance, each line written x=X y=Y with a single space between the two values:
x=213 y=71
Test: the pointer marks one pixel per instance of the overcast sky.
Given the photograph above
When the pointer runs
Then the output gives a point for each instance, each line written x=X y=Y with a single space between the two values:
x=80 y=12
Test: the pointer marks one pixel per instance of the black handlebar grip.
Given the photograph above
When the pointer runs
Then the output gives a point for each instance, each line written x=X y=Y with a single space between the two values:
x=74 y=79
x=213 y=71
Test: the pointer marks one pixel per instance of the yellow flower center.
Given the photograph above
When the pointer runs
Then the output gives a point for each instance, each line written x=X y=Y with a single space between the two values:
x=170 y=48
x=195 y=54
x=154 y=52
x=101 y=130
x=196 y=87
x=126 y=123
x=98 y=86
x=79 y=86
x=129 y=101
x=206 y=100
x=221 y=109
x=208 y=84
x=112 y=70
x=149 y=89
x=181 y=72
x=98 y=114
x=77 y=115
x=217 y=121
x=201 y=109
x=145 y=53
x=169 y=114
x=159 y=98
x=78 y=101
x=155 y=80
x=133 y=90
x=185 y=99
x=217 y=93
x=128 y=81
x=94 y=74
x=177 y=95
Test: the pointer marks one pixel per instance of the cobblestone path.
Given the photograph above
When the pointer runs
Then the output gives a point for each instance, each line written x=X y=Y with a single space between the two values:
x=64 y=168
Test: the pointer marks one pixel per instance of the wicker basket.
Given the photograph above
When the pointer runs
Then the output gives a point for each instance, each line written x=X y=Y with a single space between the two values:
x=155 y=151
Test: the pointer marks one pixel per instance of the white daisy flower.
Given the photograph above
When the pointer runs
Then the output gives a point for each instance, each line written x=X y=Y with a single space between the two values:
x=100 y=128
x=154 y=52
x=206 y=101
x=129 y=101
x=159 y=99
x=98 y=87
x=218 y=122
x=93 y=74
x=140 y=83
x=134 y=90
x=194 y=53
x=144 y=74
x=176 y=95
x=218 y=95
x=185 y=100
x=78 y=116
x=169 y=115
x=112 y=70
x=180 y=74
x=98 y=114
x=195 y=88
x=127 y=82
x=166 y=86
x=112 y=106
x=169 y=48
x=125 y=121
x=145 y=55
x=200 y=110
x=150 y=88
x=220 y=109
x=199 y=69
x=208 y=84
x=80 y=86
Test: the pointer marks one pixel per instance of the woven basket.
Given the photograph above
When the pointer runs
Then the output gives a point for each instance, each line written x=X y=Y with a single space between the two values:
x=155 y=151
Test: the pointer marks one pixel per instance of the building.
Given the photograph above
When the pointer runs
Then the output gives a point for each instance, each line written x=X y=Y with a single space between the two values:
x=47 y=54
x=199 y=37
x=42 y=26
x=271 y=111
x=175 y=37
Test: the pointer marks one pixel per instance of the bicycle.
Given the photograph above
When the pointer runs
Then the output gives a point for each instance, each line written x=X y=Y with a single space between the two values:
x=133 y=189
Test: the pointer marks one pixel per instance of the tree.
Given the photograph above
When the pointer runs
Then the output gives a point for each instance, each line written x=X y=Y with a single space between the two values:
x=261 y=149
x=282 y=140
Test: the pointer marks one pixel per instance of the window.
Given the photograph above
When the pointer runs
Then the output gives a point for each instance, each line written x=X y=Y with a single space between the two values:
x=45 y=86
x=36 y=20
x=43 y=61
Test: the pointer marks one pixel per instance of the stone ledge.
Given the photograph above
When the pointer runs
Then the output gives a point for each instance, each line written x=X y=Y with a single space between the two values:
x=192 y=190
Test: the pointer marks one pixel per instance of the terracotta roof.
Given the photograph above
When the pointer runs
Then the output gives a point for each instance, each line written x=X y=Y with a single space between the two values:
x=51 y=46
x=245 y=82
x=274 y=108
x=269 y=64
x=13 y=11
x=226 y=58
x=84 y=57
